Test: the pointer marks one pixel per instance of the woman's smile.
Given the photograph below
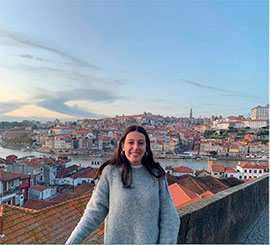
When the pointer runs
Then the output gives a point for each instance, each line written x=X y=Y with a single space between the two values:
x=134 y=147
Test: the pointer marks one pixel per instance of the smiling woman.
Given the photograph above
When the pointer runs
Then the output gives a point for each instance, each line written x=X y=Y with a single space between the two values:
x=132 y=196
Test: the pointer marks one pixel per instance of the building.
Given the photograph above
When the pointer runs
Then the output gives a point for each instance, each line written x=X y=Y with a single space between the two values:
x=217 y=171
x=168 y=170
x=40 y=192
x=251 y=170
x=260 y=112
x=202 y=173
x=181 y=170
x=49 y=173
x=24 y=185
x=9 y=187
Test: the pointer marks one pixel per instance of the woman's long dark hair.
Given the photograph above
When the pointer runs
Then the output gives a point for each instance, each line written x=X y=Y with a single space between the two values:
x=119 y=159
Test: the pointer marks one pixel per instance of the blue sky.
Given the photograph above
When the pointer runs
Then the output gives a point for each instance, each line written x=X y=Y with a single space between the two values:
x=93 y=59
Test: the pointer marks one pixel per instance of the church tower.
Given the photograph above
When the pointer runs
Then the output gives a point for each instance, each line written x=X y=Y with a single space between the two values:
x=190 y=113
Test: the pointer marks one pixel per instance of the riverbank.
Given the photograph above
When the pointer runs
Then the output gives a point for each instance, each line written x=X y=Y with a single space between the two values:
x=46 y=151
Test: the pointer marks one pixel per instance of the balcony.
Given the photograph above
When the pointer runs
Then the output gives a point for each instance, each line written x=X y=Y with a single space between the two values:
x=13 y=189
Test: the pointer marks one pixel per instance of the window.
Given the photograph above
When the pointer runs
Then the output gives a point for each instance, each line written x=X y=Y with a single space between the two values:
x=215 y=173
x=240 y=177
x=250 y=170
x=260 y=171
x=255 y=171
x=245 y=170
x=245 y=177
x=250 y=177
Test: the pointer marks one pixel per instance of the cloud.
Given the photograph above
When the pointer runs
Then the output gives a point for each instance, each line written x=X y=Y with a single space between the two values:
x=78 y=77
x=57 y=101
x=31 y=57
x=10 y=106
x=17 y=39
x=223 y=91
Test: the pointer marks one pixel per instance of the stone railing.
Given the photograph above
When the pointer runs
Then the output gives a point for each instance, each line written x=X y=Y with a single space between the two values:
x=221 y=218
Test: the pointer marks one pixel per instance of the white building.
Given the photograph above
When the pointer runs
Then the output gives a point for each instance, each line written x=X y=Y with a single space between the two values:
x=40 y=192
x=260 y=112
x=256 y=123
x=9 y=187
x=182 y=170
x=169 y=170
x=251 y=170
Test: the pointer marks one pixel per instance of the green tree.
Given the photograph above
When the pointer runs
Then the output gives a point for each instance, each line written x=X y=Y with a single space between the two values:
x=213 y=153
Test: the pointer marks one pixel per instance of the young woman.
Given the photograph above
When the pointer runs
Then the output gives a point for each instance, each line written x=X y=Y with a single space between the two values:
x=132 y=194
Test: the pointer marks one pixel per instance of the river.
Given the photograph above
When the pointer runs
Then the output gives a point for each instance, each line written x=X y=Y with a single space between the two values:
x=84 y=160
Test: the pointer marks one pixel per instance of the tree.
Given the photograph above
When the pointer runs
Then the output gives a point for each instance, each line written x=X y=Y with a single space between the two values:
x=213 y=153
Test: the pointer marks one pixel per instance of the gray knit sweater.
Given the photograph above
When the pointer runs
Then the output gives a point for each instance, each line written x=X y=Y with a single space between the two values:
x=141 y=214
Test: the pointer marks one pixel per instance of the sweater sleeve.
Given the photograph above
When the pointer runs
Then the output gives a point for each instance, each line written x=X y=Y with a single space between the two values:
x=169 y=221
x=95 y=211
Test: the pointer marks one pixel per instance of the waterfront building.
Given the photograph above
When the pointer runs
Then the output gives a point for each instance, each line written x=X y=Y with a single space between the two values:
x=217 y=171
x=251 y=170
x=202 y=173
x=168 y=170
x=182 y=170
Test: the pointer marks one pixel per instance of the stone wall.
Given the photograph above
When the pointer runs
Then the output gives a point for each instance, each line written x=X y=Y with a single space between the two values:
x=221 y=218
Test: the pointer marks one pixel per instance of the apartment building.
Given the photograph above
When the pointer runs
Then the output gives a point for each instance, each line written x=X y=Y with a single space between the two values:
x=260 y=112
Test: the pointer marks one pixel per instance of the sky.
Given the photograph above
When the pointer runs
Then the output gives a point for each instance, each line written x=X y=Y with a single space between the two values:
x=74 y=59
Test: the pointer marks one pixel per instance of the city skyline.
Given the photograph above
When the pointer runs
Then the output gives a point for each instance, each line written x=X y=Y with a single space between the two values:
x=92 y=59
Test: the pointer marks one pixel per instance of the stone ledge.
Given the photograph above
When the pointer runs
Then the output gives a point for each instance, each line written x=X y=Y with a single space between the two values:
x=221 y=218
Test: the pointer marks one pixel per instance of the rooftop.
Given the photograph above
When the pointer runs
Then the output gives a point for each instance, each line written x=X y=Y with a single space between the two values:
x=4 y=176
x=183 y=169
x=50 y=225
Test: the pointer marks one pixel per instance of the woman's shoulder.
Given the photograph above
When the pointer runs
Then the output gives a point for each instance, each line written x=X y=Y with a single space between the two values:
x=110 y=169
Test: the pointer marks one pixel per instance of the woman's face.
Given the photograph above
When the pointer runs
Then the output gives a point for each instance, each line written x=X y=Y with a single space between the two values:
x=134 y=147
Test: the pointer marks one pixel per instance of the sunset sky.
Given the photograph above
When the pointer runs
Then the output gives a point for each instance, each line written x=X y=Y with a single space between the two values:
x=94 y=59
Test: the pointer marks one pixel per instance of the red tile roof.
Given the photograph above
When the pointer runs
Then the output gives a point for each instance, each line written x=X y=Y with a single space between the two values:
x=51 y=225
x=218 y=168
x=253 y=165
x=39 y=187
x=249 y=179
x=198 y=172
x=230 y=170
x=180 y=194
x=168 y=167
x=4 y=176
x=83 y=189
x=72 y=168
x=86 y=173
x=38 y=204
x=207 y=194
x=183 y=169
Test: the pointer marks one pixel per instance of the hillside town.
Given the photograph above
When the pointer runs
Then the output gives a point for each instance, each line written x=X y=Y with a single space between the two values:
x=171 y=137
x=53 y=185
